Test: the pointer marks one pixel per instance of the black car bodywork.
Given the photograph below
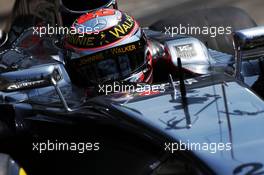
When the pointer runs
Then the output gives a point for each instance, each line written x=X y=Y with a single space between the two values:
x=39 y=103
x=146 y=124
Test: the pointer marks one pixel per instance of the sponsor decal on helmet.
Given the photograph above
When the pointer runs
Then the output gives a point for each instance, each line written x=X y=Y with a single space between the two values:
x=116 y=51
x=104 y=37
x=81 y=41
x=122 y=29
x=105 y=54
x=90 y=59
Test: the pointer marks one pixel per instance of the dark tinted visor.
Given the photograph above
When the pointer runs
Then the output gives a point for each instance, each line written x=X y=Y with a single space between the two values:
x=111 y=65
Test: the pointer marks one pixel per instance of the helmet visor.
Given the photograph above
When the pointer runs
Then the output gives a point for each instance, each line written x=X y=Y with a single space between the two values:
x=110 y=65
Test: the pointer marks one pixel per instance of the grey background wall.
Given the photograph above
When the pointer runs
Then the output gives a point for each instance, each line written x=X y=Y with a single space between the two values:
x=147 y=11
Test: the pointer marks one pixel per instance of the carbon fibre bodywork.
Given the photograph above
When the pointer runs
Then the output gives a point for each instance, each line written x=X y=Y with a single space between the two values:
x=38 y=102
x=157 y=119
x=213 y=114
x=205 y=119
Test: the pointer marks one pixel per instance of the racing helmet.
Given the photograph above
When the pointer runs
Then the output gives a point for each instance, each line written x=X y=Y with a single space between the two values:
x=107 y=45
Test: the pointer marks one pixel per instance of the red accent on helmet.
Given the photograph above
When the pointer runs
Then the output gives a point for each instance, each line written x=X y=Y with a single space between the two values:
x=67 y=45
x=99 y=13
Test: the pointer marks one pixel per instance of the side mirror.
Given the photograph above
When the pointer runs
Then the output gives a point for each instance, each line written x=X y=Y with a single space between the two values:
x=3 y=38
x=37 y=77
x=248 y=45
x=248 y=39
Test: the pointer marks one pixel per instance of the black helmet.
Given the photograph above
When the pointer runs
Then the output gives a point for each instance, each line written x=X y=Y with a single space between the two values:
x=107 y=45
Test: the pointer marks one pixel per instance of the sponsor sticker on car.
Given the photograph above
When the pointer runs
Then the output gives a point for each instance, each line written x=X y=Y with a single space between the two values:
x=185 y=51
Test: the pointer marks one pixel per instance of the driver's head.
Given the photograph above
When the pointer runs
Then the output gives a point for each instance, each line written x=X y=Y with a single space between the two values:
x=70 y=10
x=109 y=46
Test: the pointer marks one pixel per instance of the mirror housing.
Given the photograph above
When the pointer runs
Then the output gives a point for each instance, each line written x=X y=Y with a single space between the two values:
x=247 y=45
x=37 y=77
x=248 y=39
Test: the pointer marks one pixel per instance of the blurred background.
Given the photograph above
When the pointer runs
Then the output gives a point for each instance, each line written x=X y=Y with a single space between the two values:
x=148 y=11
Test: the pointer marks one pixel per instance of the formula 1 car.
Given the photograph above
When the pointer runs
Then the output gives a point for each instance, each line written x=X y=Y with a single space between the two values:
x=160 y=130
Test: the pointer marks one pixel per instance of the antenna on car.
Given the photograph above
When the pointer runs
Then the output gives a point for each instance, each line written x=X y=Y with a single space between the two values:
x=223 y=85
x=182 y=83
x=183 y=94
x=174 y=96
